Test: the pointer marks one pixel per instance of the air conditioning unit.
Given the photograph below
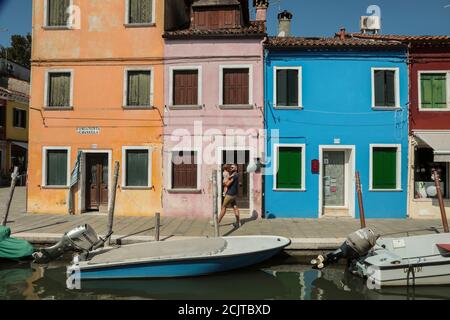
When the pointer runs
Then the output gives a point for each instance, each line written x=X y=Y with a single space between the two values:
x=370 y=23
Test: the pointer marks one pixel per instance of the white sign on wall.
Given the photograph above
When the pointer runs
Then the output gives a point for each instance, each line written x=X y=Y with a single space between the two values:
x=88 y=130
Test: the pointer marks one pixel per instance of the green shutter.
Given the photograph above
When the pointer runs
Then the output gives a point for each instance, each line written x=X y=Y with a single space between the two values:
x=140 y=11
x=433 y=90
x=384 y=168
x=57 y=167
x=137 y=168
x=138 y=92
x=57 y=13
x=289 y=175
x=59 y=90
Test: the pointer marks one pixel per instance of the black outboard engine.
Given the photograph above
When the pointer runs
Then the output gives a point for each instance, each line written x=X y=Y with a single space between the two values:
x=80 y=239
x=358 y=244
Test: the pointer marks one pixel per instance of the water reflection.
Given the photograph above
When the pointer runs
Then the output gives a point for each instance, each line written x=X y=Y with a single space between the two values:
x=293 y=281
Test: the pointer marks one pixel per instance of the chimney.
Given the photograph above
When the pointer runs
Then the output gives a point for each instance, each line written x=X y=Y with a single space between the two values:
x=284 y=24
x=341 y=34
x=261 y=9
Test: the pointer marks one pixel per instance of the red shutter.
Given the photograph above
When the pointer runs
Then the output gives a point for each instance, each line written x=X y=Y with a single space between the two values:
x=185 y=87
x=184 y=175
x=235 y=86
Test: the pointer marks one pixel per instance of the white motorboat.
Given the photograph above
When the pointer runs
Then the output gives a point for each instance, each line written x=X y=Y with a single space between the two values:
x=403 y=261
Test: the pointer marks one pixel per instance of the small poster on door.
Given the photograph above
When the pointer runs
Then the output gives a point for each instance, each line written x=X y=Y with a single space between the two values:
x=333 y=189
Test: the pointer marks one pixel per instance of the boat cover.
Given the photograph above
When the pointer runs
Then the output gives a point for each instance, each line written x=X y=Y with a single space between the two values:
x=11 y=248
x=161 y=250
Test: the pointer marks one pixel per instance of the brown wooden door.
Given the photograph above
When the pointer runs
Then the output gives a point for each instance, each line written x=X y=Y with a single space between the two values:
x=241 y=159
x=96 y=181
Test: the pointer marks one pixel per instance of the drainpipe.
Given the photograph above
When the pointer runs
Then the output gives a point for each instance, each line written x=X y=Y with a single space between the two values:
x=263 y=109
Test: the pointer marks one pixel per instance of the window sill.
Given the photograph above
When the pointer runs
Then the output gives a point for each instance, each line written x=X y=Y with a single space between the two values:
x=386 y=108
x=18 y=128
x=236 y=106
x=140 y=25
x=47 y=108
x=57 y=28
x=289 y=190
x=386 y=190
x=430 y=200
x=288 y=107
x=184 y=190
x=185 y=107
x=135 y=188
x=55 y=187
x=435 y=110
x=138 y=107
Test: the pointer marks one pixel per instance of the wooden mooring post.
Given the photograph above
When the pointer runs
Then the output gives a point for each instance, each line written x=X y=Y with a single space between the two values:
x=215 y=205
x=113 y=200
x=157 y=225
x=14 y=177
x=362 y=217
x=441 y=200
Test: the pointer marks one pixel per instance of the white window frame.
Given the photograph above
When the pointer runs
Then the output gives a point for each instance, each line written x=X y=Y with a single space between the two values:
x=419 y=89
x=396 y=88
x=125 y=86
x=26 y=116
x=68 y=25
x=398 y=170
x=300 y=86
x=275 y=152
x=124 y=167
x=170 y=166
x=127 y=16
x=223 y=67
x=199 y=86
x=47 y=81
x=44 y=166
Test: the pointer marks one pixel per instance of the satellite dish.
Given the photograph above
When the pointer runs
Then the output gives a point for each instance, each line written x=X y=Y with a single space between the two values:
x=431 y=191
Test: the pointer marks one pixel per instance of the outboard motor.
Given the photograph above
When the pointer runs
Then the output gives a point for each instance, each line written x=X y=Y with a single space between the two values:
x=80 y=239
x=357 y=245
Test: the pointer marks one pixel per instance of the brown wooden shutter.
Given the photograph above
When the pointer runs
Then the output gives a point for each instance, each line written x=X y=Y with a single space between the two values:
x=235 y=86
x=184 y=174
x=185 y=87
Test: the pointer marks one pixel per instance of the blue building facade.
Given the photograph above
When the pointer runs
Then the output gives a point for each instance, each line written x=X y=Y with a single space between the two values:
x=335 y=107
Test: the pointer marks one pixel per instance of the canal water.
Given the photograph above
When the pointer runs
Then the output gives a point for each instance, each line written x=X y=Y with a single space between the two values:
x=284 y=277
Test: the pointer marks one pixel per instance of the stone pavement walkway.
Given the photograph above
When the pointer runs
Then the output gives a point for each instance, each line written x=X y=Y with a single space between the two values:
x=306 y=234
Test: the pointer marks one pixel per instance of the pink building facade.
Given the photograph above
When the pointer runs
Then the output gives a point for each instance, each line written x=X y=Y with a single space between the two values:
x=214 y=89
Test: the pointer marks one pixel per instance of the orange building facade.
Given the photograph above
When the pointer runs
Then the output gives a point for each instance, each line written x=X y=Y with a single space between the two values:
x=96 y=99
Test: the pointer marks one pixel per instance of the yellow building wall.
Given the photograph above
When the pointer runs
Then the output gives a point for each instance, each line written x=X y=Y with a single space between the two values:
x=13 y=133
x=98 y=55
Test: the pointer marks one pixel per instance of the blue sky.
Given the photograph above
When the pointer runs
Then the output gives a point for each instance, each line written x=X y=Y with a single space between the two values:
x=311 y=17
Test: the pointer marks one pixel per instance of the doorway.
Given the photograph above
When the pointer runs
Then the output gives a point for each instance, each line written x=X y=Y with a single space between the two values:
x=97 y=173
x=336 y=182
x=241 y=158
